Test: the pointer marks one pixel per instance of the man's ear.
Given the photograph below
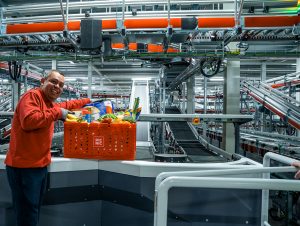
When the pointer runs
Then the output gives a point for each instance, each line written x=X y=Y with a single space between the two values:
x=42 y=81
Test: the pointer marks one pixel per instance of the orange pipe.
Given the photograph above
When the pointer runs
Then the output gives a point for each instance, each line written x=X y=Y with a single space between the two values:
x=152 y=23
x=216 y=22
x=35 y=27
x=132 y=46
x=262 y=21
x=155 y=48
x=271 y=21
x=117 y=46
x=279 y=85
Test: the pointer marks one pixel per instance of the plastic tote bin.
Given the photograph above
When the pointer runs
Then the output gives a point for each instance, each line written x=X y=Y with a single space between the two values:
x=100 y=141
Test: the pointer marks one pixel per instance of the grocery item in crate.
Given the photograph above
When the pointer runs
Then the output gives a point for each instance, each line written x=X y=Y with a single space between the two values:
x=104 y=106
x=90 y=113
x=136 y=110
x=71 y=118
x=101 y=141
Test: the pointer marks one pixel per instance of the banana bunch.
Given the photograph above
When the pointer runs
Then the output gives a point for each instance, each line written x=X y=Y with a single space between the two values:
x=71 y=118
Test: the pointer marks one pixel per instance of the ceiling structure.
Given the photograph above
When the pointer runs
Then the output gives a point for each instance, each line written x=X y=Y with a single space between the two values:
x=148 y=40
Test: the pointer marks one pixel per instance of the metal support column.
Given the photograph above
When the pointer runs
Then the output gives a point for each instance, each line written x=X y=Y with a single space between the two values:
x=160 y=96
x=16 y=93
x=54 y=64
x=205 y=96
x=190 y=107
x=298 y=93
x=231 y=103
x=263 y=77
x=25 y=83
x=89 y=91
x=164 y=97
x=204 y=124
x=183 y=93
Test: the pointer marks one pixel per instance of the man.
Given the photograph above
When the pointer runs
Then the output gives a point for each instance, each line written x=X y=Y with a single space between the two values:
x=30 y=142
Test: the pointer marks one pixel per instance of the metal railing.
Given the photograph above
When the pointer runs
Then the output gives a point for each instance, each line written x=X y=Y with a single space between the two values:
x=207 y=179
x=277 y=103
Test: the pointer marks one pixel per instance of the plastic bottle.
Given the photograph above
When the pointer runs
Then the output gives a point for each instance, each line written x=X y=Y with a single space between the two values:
x=86 y=114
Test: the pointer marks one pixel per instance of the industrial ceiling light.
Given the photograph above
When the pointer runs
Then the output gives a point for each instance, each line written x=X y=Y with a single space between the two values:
x=216 y=79
x=142 y=79
x=266 y=9
x=87 y=14
x=251 y=9
x=134 y=11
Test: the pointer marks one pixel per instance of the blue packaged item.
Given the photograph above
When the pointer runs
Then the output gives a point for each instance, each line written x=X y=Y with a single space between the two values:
x=88 y=118
x=104 y=106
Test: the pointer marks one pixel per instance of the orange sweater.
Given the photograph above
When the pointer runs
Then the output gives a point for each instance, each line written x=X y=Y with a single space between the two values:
x=32 y=129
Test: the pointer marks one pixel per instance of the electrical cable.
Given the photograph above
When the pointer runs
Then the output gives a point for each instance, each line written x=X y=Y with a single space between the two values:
x=14 y=69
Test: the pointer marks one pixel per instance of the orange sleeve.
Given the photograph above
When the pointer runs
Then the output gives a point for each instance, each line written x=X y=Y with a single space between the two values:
x=32 y=116
x=73 y=104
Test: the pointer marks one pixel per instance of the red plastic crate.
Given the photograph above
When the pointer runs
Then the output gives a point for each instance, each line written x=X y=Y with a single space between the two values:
x=100 y=141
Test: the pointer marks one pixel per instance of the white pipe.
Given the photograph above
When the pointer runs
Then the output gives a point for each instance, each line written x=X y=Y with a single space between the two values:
x=67 y=12
x=63 y=15
x=235 y=13
x=169 y=13
x=240 y=12
x=161 y=198
x=280 y=158
x=123 y=12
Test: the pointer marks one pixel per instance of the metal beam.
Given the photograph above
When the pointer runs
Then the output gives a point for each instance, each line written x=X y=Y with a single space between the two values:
x=189 y=117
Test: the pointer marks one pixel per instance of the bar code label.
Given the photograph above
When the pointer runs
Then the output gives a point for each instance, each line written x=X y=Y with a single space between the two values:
x=98 y=142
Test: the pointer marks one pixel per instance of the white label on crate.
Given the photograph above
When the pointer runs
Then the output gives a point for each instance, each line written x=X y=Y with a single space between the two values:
x=98 y=142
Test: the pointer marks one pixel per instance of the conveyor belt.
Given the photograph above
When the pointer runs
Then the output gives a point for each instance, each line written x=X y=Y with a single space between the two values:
x=188 y=141
x=181 y=130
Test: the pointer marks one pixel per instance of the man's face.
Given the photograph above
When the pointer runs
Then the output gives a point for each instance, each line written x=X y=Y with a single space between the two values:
x=52 y=86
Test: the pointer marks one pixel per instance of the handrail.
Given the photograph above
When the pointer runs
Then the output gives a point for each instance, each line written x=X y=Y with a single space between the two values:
x=218 y=172
x=221 y=172
x=161 y=199
x=166 y=180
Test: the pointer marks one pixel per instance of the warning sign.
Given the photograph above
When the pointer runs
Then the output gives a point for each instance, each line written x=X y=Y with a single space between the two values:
x=98 y=142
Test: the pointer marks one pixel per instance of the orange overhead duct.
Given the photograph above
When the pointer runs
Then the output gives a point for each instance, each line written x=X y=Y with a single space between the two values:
x=53 y=26
x=272 y=21
x=34 y=27
x=216 y=22
x=219 y=22
x=152 y=23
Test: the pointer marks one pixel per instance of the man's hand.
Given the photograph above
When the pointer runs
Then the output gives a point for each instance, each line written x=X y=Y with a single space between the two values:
x=65 y=113
x=297 y=164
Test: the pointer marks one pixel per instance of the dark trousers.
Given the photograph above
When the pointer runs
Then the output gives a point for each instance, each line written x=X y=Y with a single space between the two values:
x=28 y=186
